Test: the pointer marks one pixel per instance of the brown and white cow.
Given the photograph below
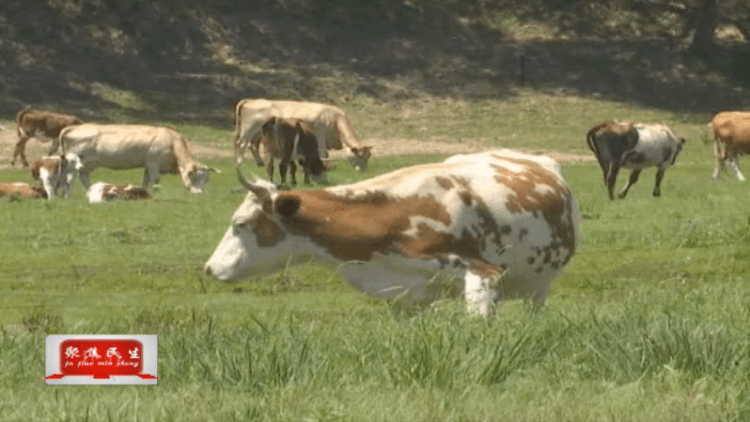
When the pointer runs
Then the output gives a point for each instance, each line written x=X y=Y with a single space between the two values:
x=157 y=149
x=330 y=125
x=106 y=192
x=288 y=140
x=55 y=172
x=22 y=189
x=43 y=125
x=732 y=129
x=633 y=146
x=505 y=222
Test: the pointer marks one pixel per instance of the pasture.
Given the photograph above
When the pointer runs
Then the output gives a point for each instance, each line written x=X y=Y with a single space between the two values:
x=649 y=321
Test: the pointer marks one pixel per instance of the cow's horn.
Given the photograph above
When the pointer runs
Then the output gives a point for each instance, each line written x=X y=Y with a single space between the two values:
x=258 y=191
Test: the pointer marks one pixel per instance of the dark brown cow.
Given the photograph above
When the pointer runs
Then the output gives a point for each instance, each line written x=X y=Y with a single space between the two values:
x=43 y=125
x=289 y=140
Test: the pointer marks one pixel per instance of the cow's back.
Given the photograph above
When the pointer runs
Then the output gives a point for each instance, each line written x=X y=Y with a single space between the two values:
x=732 y=127
x=518 y=206
x=119 y=146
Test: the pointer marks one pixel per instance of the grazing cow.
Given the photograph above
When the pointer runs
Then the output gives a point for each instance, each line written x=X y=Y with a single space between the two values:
x=120 y=147
x=55 y=172
x=331 y=126
x=731 y=128
x=289 y=140
x=633 y=146
x=44 y=125
x=105 y=192
x=505 y=222
x=22 y=189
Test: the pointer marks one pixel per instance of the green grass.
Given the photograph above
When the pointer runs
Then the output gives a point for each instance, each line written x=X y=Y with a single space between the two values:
x=648 y=322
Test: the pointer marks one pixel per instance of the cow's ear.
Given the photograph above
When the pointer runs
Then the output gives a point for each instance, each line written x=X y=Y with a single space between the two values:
x=287 y=205
x=367 y=150
x=683 y=140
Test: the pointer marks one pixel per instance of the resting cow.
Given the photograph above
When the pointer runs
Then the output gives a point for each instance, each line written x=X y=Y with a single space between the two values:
x=731 y=128
x=633 y=146
x=289 y=140
x=158 y=150
x=331 y=126
x=22 y=189
x=55 y=172
x=503 y=221
x=43 y=125
x=105 y=192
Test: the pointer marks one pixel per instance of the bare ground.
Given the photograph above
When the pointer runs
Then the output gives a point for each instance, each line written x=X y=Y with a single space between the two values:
x=381 y=148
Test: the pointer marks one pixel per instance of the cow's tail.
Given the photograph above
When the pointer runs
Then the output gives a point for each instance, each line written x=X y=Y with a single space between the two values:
x=19 y=127
x=62 y=136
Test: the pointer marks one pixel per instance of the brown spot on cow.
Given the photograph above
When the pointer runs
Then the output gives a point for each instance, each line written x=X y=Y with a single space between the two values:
x=366 y=224
x=444 y=182
x=267 y=232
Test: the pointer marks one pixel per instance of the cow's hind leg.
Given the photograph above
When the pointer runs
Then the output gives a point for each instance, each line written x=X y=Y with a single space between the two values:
x=633 y=178
x=255 y=149
x=733 y=163
x=269 y=169
x=83 y=176
x=659 y=177
x=612 y=179
x=20 y=150
x=293 y=172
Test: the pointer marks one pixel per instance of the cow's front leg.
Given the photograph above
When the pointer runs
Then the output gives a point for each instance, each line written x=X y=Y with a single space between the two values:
x=633 y=178
x=305 y=173
x=151 y=176
x=612 y=179
x=49 y=187
x=480 y=294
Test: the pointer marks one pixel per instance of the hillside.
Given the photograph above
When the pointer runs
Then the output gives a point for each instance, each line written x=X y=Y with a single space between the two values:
x=181 y=60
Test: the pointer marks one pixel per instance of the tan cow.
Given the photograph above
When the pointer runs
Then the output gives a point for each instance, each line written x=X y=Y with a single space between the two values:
x=732 y=129
x=330 y=125
x=44 y=125
x=503 y=221
x=22 y=189
x=288 y=140
x=106 y=192
x=157 y=149
x=56 y=172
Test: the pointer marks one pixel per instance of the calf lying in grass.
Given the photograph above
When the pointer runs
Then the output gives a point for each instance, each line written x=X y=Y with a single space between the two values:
x=105 y=192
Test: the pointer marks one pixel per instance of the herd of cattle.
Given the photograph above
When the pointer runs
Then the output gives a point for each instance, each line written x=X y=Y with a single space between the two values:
x=504 y=221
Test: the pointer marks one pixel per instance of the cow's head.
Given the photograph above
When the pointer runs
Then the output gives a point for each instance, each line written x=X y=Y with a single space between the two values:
x=359 y=157
x=256 y=241
x=195 y=176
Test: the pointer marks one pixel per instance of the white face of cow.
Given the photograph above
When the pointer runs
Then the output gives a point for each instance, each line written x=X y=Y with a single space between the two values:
x=255 y=242
x=196 y=177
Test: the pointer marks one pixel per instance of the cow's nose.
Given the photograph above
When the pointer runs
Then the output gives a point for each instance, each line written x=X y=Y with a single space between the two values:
x=208 y=271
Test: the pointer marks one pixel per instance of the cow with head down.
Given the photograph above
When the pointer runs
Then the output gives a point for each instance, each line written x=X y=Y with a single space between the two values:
x=633 y=146
x=503 y=221
x=157 y=149
x=330 y=125
x=289 y=140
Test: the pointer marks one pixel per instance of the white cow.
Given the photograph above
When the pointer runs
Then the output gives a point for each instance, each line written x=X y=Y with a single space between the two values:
x=633 y=146
x=504 y=221
x=55 y=172
x=330 y=125
x=121 y=147
x=101 y=192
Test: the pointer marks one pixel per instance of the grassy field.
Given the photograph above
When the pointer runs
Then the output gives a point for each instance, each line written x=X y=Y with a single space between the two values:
x=648 y=322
